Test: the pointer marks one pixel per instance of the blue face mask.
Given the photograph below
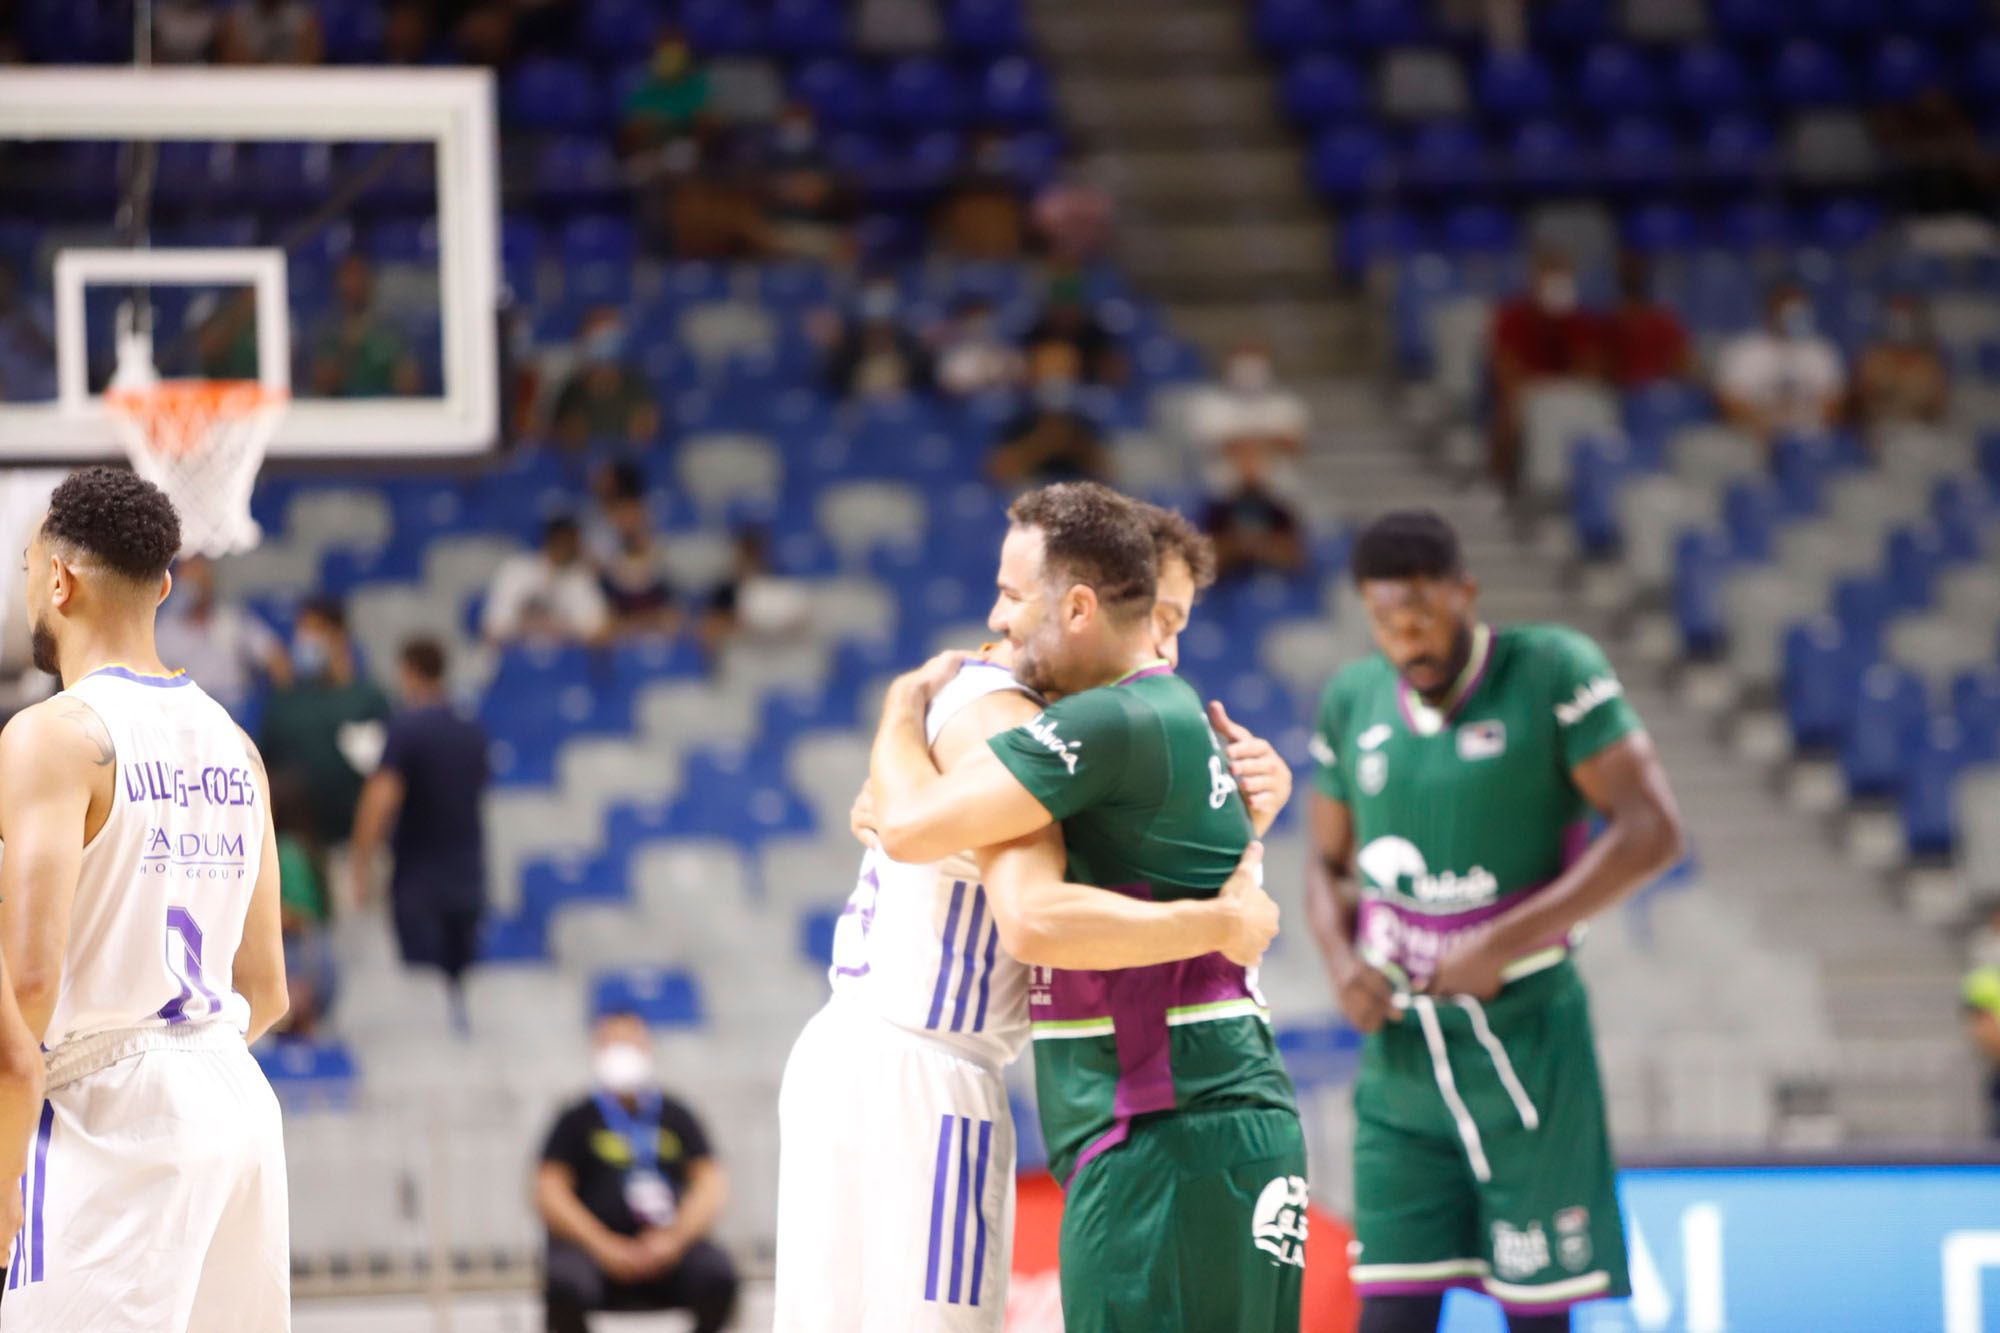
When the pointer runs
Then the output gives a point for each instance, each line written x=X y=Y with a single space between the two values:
x=878 y=303
x=310 y=656
x=604 y=346
x=1796 y=320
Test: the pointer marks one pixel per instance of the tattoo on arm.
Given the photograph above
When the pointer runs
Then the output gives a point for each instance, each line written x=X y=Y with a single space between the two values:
x=86 y=720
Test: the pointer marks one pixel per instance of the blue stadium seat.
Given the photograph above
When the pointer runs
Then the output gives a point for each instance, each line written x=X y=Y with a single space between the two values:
x=1710 y=79
x=1751 y=514
x=594 y=241
x=1849 y=20
x=1903 y=67
x=578 y=172
x=84 y=32
x=1702 y=559
x=660 y=996
x=1377 y=24
x=1750 y=20
x=1961 y=509
x=513 y=939
x=547 y=883
x=841 y=96
x=1015 y=92
x=1889 y=714
x=1940 y=17
x=309 y=1075
x=1843 y=224
x=1864 y=605
x=1617 y=80
x=723 y=27
x=1287 y=26
x=1751 y=226
x=1916 y=556
x=1446 y=158
x=923 y=94
x=807 y=28
x=1661 y=227
x=1321 y=89
x=1737 y=150
x=816 y=931
x=1598 y=467
x=1805 y=73
x=616 y=30
x=1569 y=24
x=1821 y=668
x=545 y=93
x=1982 y=71
x=1639 y=153
x=1515 y=86
x=986 y=27
x=1944 y=750
x=1975 y=699
x=1351 y=162
x=1480 y=229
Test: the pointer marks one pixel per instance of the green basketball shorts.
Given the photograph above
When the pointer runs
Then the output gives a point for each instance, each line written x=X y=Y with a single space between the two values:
x=1196 y=1223
x=1480 y=1152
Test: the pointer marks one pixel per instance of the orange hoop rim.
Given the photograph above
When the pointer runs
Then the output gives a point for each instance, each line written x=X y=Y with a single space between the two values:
x=177 y=418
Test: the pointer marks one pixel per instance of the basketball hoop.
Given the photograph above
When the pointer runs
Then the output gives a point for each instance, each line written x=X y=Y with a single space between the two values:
x=200 y=441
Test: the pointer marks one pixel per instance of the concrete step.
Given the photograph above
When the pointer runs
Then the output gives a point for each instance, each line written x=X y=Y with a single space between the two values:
x=1308 y=338
x=1141 y=38
x=1193 y=183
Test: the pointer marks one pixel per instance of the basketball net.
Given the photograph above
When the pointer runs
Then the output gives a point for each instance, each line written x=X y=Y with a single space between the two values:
x=199 y=440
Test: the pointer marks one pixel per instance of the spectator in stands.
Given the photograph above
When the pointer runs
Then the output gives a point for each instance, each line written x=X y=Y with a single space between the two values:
x=1940 y=164
x=1981 y=991
x=873 y=355
x=1052 y=439
x=225 y=334
x=272 y=32
x=1783 y=378
x=323 y=721
x=310 y=972
x=897 y=27
x=1073 y=217
x=605 y=397
x=1254 y=528
x=629 y=1189
x=27 y=341
x=754 y=600
x=633 y=571
x=1648 y=342
x=407 y=32
x=1541 y=336
x=982 y=216
x=806 y=210
x=670 y=103
x=359 y=354
x=972 y=355
x=215 y=640
x=1249 y=425
x=1901 y=377
x=431 y=787
x=613 y=484
x=482 y=31
x=549 y=594
x=184 y=32
x=1067 y=321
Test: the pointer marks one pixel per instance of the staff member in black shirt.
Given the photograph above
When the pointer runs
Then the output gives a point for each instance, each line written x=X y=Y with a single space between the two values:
x=629 y=1189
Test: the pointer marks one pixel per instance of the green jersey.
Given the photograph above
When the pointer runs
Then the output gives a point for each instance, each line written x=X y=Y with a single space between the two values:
x=1461 y=810
x=1148 y=808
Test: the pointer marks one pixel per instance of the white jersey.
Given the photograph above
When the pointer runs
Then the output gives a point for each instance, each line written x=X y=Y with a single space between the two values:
x=917 y=944
x=165 y=885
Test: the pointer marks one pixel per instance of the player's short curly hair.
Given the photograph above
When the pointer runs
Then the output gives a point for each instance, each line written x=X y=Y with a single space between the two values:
x=117 y=518
x=1407 y=544
x=1173 y=535
x=1094 y=536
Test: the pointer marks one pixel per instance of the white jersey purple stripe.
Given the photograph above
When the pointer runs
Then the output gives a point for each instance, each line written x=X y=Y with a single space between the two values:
x=955 y=1261
x=28 y=1265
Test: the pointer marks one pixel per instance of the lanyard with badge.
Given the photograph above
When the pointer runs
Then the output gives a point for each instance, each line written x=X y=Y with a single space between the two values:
x=647 y=1191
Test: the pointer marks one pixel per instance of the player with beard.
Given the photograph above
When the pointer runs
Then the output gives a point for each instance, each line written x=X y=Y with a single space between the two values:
x=895 y=1071
x=1166 y=1111
x=1456 y=772
x=139 y=920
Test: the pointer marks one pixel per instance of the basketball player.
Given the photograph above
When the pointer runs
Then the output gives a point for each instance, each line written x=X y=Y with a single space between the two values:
x=139 y=922
x=1166 y=1110
x=864 y=1231
x=1455 y=772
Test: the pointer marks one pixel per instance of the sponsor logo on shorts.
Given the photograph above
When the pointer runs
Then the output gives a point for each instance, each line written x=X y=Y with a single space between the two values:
x=1573 y=1238
x=1278 y=1226
x=1595 y=691
x=1372 y=773
x=1519 y=1253
x=1043 y=729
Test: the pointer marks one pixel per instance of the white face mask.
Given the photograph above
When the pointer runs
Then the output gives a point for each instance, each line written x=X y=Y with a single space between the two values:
x=1250 y=374
x=622 y=1068
x=1557 y=292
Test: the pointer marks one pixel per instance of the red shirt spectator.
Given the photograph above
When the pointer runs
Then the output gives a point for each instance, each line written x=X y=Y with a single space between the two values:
x=1647 y=341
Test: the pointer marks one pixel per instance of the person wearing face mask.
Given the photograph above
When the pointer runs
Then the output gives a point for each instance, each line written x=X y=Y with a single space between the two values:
x=323 y=716
x=1249 y=425
x=550 y=594
x=1785 y=378
x=1649 y=344
x=1052 y=439
x=213 y=638
x=1981 y=993
x=972 y=356
x=629 y=1189
x=1541 y=336
x=604 y=399
x=873 y=355
x=1902 y=378
x=806 y=210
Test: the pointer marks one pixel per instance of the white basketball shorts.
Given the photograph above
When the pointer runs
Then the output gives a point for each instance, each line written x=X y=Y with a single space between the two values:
x=155 y=1193
x=895 y=1183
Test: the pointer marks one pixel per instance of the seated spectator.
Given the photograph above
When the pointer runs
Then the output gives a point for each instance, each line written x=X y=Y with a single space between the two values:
x=549 y=594
x=322 y=724
x=1252 y=526
x=407 y=33
x=754 y=600
x=483 y=32
x=1540 y=336
x=634 y=571
x=224 y=647
x=613 y=483
x=806 y=210
x=605 y=398
x=1067 y=321
x=430 y=787
x=1784 y=378
x=184 y=32
x=982 y=216
x=225 y=335
x=1073 y=218
x=272 y=32
x=972 y=355
x=358 y=354
x=1901 y=377
x=1981 y=991
x=1937 y=159
x=669 y=104
x=629 y=1189
x=310 y=972
x=1052 y=439
x=1249 y=424
x=1648 y=342
x=874 y=356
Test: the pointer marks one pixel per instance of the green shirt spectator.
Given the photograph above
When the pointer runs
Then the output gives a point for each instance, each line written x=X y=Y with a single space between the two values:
x=358 y=354
x=673 y=96
x=318 y=717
